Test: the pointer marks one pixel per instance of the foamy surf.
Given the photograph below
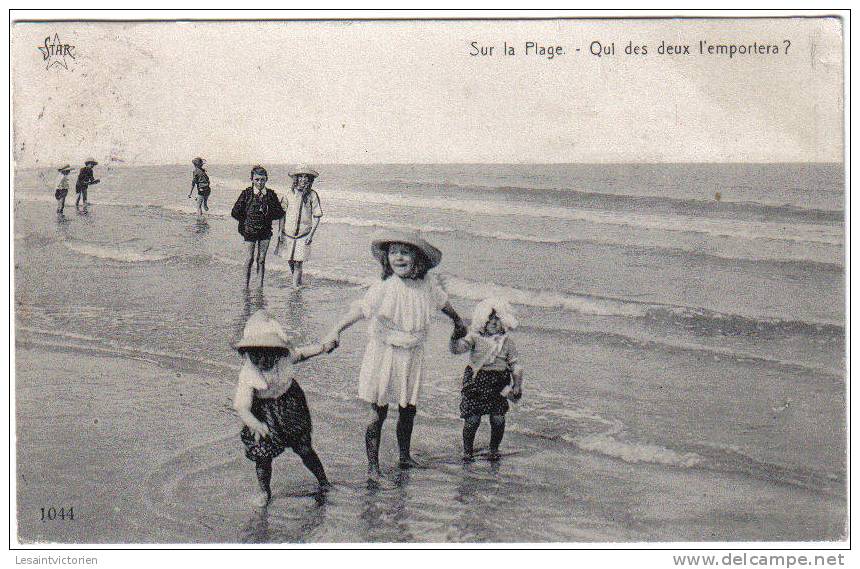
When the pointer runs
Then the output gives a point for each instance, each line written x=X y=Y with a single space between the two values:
x=115 y=254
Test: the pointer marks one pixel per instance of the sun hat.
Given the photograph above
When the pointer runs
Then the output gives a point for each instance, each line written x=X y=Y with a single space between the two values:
x=90 y=161
x=198 y=161
x=263 y=331
x=64 y=168
x=380 y=243
x=485 y=308
x=303 y=169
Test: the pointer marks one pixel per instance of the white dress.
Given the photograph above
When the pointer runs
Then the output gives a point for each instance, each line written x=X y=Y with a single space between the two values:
x=399 y=311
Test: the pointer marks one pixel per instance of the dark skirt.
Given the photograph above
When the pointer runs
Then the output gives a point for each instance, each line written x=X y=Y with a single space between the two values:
x=288 y=419
x=204 y=192
x=482 y=393
x=60 y=194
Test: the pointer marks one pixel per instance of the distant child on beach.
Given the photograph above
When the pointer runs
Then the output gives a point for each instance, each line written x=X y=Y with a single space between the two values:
x=62 y=189
x=200 y=181
x=399 y=307
x=255 y=210
x=492 y=374
x=301 y=221
x=270 y=402
x=86 y=178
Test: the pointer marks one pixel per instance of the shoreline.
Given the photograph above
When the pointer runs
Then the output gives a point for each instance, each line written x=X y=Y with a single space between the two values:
x=583 y=496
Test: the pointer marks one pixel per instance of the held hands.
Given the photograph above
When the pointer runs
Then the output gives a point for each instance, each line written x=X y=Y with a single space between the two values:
x=461 y=328
x=260 y=431
x=330 y=342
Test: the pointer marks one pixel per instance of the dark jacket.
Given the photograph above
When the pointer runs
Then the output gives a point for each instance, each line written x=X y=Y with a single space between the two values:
x=85 y=178
x=240 y=208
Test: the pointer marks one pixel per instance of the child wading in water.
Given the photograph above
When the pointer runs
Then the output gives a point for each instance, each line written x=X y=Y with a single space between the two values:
x=300 y=224
x=200 y=181
x=399 y=307
x=255 y=210
x=492 y=375
x=62 y=189
x=270 y=402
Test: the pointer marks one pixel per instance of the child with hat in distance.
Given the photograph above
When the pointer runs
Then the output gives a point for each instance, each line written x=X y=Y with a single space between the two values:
x=270 y=402
x=492 y=374
x=85 y=180
x=399 y=307
x=62 y=189
x=298 y=226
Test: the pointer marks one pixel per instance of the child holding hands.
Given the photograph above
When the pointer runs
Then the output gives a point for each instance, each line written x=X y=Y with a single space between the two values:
x=492 y=374
x=399 y=307
x=270 y=402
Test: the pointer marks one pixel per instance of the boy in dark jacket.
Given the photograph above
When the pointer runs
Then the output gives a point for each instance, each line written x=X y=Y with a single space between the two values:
x=255 y=210
x=85 y=180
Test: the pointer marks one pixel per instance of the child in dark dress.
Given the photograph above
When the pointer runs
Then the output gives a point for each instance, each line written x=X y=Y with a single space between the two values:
x=493 y=374
x=270 y=402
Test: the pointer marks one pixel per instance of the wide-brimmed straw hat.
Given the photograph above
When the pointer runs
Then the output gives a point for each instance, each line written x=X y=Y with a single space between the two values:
x=263 y=331
x=303 y=169
x=90 y=161
x=379 y=245
x=65 y=168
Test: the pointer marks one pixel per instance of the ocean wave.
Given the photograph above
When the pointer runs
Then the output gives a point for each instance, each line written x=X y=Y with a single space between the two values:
x=116 y=254
x=719 y=227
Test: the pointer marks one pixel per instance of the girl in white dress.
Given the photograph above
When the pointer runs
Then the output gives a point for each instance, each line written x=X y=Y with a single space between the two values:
x=399 y=307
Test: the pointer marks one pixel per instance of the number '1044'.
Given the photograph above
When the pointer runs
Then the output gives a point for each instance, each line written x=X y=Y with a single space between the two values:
x=51 y=514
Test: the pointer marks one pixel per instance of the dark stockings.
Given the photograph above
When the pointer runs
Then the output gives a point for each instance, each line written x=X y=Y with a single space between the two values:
x=372 y=438
x=264 y=476
x=405 y=422
x=497 y=431
x=470 y=428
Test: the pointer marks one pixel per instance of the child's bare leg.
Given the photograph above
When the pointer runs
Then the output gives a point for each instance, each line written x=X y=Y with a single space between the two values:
x=311 y=460
x=262 y=249
x=497 y=431
x=206 y=202
x=199 y=204
x=405 y=422
x=264 y=478
x=249 y=262
x=372 y=439
x=470 y=428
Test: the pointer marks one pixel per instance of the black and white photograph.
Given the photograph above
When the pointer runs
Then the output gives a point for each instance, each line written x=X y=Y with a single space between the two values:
x=408 y=281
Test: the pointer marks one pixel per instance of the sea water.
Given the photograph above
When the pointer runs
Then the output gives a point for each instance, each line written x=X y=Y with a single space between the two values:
x=683 y=339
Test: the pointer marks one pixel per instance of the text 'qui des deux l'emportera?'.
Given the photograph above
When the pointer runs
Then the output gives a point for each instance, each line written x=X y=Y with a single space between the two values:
x=608 y=49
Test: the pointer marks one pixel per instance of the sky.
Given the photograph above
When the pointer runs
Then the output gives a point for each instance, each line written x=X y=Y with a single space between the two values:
x=412 y=92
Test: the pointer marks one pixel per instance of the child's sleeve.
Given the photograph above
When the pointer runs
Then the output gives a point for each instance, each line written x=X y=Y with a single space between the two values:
x=371 y=299
x=438 y=295
x=316 y=205
x=276 y=211
x=238 y=212
x=244 y=396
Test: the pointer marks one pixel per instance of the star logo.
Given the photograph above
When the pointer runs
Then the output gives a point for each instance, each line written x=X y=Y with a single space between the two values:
x=55 y=52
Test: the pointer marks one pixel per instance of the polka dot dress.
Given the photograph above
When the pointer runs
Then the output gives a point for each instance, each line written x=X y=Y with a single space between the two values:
x=482 y=393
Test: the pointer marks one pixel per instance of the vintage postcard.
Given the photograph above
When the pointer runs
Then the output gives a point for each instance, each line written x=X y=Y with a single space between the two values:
x=429 y=281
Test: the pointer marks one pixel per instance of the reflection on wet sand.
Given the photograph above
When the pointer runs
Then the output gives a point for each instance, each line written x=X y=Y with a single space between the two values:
x=295 y=524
